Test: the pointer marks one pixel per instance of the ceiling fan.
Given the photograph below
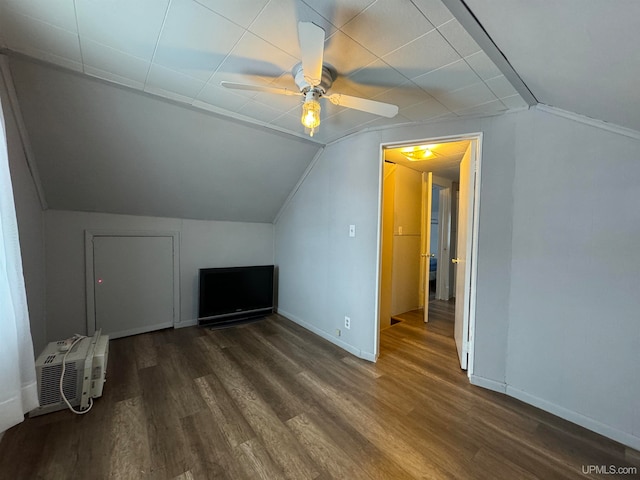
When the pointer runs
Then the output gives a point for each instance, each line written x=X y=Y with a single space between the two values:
x=314 y=79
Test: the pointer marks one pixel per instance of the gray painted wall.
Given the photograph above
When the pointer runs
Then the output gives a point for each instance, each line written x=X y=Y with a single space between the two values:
x=574 y=313
x=558 y=270
x=202 y=244
x=323 y=273
x=30 y=225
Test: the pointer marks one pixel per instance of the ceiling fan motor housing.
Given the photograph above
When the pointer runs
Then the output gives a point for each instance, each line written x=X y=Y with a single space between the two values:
x=328 y=77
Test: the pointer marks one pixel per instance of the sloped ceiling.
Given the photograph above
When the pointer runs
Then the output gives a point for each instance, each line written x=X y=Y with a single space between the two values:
x=414 y=54
x=102 y=148
x=579 y=55
x=153 y=133
x=123 y=105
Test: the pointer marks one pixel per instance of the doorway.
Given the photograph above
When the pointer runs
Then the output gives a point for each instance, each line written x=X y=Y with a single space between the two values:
x=423 y=248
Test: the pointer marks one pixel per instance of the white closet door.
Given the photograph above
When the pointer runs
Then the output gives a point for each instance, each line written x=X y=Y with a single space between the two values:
x=463 y=253
x=133 y=284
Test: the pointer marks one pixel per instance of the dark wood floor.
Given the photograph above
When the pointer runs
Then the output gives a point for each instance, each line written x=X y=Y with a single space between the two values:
x=270 y=400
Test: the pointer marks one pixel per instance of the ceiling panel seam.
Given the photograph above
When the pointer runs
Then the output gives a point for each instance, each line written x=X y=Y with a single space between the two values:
x=470 y=23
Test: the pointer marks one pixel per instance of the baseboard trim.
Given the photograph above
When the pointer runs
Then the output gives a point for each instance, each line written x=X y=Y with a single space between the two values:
x=586 y=422
x=321 y=333
x=137 y=331
x=186 y=323
x=488 y=383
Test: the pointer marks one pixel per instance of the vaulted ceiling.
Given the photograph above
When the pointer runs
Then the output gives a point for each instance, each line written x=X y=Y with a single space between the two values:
x=578 y=55
x=123 y=104
x=412 y=54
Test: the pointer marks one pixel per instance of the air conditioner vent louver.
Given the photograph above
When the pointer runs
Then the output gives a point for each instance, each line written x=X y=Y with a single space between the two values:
x=50 y=359
x=50 y=386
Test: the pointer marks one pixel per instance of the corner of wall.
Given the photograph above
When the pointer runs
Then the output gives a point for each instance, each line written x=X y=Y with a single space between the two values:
x=30 y=206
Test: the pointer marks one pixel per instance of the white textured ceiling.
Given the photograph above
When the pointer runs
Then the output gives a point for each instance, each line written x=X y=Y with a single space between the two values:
x=411 y=53
x=445 y=161
x=578 y=55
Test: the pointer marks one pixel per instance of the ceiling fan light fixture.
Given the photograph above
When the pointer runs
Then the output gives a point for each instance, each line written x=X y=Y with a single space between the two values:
x=311 y=112
x=417 y=153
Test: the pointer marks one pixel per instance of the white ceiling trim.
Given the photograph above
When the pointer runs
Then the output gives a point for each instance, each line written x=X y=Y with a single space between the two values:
x=592 y=122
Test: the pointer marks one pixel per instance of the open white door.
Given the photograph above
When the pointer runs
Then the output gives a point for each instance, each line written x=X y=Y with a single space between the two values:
x=463 y=252
x=425 y=256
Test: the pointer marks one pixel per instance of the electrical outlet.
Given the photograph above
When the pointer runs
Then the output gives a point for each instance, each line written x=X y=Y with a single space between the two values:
x=347 y=323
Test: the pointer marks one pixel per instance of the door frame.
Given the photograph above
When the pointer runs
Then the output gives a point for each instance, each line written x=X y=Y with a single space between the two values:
x=476 y=142
x=89 y=271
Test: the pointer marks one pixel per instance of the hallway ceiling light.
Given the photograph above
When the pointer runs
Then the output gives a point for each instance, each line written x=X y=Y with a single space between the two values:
x=417 y=152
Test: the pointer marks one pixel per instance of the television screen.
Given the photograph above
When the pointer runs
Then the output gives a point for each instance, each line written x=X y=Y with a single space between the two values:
x=235 y=293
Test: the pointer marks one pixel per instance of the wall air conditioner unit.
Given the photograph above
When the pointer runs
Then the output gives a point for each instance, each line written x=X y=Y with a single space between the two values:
x=84 y=376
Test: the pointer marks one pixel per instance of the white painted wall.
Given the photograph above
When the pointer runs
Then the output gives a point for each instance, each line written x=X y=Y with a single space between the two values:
x=407 y=208
x=557 y=320
x=30 y=225
x=323 y=273
x=574 y=329
x=202 y=244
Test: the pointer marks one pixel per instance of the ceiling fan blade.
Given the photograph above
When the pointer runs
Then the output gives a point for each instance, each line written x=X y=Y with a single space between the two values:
x=311 y=38
x=259 y=88
x=371 y=106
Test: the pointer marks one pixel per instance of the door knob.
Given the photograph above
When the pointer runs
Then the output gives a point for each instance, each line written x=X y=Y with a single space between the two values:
x=455 y=260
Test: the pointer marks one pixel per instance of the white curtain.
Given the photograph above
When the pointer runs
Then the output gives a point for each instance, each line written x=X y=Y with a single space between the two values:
x=18 y=386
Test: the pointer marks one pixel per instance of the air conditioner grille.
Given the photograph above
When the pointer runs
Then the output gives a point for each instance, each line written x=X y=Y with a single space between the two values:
x=50 y=384
x=50 y=359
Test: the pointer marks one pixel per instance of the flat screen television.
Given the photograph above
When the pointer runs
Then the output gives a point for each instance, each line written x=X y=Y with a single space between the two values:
x=235 y=293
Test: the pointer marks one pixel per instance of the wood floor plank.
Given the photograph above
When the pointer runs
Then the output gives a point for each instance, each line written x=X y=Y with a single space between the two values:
x=378 y=431
x=60 y=452
x=256 y=462
x=122 y=376
x=145 y=350
x=208 y=455
x=129 y=448
x=165 y=434
x=271 y=400
x=277 y=439
x=185 y=396
x=323 y=450
x=224 y=411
